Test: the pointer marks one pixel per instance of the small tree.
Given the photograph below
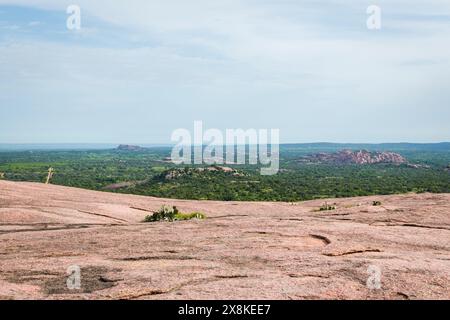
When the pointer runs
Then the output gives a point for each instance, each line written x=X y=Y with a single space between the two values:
x=165 y=213
x=327 y=207
x=171 y=214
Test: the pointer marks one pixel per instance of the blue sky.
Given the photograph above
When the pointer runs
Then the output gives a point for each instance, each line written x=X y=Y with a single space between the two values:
x=137 y=70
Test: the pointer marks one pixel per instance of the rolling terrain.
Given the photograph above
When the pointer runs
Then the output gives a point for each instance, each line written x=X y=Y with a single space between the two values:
x=307 y=172
x=243 y=250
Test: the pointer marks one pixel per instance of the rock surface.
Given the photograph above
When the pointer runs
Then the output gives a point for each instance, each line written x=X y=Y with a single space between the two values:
x=243 y=250
x=356 y=157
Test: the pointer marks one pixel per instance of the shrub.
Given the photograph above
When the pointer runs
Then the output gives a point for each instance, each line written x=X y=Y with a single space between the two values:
x=189 y=216
x=376 y=203
x=171 y=214
x=163 y=214
x=327 y=207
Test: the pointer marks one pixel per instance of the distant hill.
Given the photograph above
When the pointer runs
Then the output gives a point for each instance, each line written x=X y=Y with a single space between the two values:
x=355 y=157
x=328 y=146
x=128 y=147
x=404 y=146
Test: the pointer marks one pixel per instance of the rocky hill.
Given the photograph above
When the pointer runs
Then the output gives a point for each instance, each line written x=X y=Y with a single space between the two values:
x=178 y=173
x=243 y=250
x=356 y=157
x=128 y=147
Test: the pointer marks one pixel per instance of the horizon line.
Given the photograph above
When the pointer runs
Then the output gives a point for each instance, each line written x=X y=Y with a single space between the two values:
x=172 y=144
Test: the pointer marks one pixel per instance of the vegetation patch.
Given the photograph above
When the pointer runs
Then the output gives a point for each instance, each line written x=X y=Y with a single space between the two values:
x=189 y=216
x=326 y=207
x=376 y=203
x=166 y=213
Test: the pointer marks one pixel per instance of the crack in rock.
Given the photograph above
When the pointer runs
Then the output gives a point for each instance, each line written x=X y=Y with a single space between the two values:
x=320 y=237
x=153 y=292
x=143 y=258
x=346 y=253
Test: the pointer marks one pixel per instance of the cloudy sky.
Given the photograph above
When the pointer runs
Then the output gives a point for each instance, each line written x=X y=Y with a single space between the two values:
x=139 y=69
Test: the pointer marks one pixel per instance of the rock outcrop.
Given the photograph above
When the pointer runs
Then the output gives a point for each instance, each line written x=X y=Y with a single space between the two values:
x=178 y=173
x=356 y=157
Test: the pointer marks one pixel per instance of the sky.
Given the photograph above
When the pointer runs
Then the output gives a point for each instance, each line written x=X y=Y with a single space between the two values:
x=139 y=69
